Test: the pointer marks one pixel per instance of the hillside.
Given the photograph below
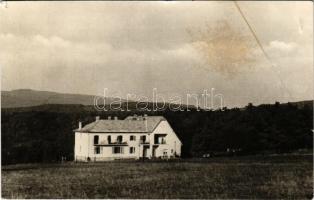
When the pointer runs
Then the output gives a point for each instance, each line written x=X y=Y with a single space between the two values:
x=27 y=98
x=45 y=133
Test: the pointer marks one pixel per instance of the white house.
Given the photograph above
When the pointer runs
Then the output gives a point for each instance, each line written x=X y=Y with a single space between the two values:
x=134 y=137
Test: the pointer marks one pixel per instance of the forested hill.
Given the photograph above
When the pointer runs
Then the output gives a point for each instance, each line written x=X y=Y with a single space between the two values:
x=45 y=133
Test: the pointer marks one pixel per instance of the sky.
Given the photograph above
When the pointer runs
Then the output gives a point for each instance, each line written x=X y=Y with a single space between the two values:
x=175 y=47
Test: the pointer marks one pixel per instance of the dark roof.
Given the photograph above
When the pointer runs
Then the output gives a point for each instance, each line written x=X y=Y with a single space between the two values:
x=128 y=125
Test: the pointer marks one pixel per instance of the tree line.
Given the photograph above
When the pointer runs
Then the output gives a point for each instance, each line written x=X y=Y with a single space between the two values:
x=45 y=133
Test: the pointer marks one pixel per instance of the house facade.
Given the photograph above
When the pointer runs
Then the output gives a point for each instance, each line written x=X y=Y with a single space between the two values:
x=135 y=137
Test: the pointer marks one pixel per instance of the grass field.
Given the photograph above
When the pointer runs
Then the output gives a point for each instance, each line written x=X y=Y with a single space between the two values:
x=242 y=177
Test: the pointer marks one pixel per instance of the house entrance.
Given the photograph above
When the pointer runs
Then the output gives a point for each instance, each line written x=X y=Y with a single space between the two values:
x=145 y=151
x=154 y=151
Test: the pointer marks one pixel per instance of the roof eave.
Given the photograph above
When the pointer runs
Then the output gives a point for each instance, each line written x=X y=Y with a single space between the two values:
x=82 y=131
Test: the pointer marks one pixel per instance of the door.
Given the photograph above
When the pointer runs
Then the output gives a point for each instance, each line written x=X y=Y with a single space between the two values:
x=145 y=151
x=154 y=152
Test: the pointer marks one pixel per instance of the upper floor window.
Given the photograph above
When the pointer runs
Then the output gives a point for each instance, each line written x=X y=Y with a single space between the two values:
x=143 y=138
x=132 y=138
x=109 y=139
x=96 y=139
x=162 y=141
x=119 y=139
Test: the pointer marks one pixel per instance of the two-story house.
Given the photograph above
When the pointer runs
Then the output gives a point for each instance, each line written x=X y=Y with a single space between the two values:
x=134 y=137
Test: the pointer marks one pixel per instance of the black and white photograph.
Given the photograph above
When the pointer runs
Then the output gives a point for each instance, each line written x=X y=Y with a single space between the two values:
x=156 y=99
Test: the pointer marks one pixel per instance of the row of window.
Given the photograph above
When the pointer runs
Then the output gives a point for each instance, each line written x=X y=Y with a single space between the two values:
x=119 y=138
x=119 y=150
x=115 y=150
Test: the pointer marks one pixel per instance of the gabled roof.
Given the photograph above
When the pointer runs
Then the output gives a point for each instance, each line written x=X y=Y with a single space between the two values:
x=128 y=125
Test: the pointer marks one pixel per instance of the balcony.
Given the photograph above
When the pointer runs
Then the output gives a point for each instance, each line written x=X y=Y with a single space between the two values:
x=160 y=142
x=160 y=139
x=106 y=143
x=144 y=142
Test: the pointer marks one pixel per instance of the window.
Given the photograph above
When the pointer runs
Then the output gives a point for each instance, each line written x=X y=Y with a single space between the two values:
x=109 y=139
x=97 y=150
x=117 y=150
x=96 y=139
x=161 y=140
x=143 y=138
x=119 y=139
x=132 y=150
x=132 y=138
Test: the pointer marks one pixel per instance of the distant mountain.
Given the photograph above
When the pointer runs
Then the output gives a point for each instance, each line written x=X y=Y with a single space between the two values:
x=31 y=100
x=79 y=108
x=28 y=98
x=45 y=100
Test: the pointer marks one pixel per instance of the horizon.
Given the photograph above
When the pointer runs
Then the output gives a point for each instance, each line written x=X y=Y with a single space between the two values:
x=134 y=100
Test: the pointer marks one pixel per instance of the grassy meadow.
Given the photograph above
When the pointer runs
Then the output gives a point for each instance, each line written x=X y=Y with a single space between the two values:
x=236 y=177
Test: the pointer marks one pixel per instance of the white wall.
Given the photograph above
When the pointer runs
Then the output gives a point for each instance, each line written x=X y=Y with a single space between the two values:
x=81 y=144
x=84 y=144
x=173 y=144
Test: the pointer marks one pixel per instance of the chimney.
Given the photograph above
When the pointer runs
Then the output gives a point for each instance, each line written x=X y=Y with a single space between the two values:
x=115 y=118
x=80 y=125
x=97 y=118
x=109 y=117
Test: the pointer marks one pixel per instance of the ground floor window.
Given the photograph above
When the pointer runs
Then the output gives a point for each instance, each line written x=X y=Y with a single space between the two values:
x=132 y=150
x=117 y=150
x=97 y=150
x=165 y=153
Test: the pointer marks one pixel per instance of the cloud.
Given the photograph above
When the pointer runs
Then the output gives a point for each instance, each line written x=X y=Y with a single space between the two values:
x=51 y=41
x=282 y=46
x=279 y=50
